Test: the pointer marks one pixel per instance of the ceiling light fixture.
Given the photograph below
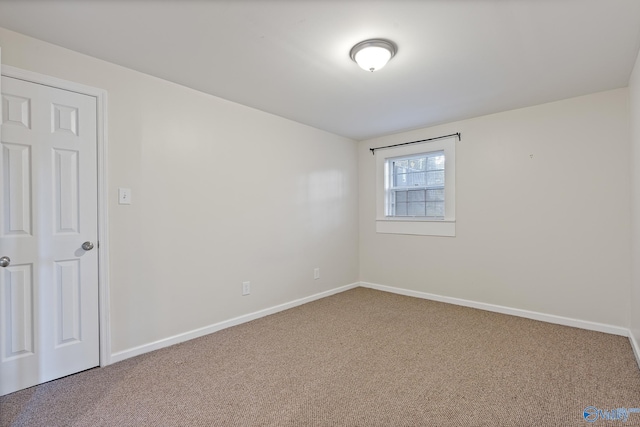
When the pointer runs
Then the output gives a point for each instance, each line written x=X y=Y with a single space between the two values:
x=372 y=55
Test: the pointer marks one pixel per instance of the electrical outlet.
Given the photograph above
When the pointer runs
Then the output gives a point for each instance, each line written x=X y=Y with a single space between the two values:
x=316 y=273
x=246 y=288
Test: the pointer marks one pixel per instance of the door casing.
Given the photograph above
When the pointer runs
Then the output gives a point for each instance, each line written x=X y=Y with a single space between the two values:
x=103 y=217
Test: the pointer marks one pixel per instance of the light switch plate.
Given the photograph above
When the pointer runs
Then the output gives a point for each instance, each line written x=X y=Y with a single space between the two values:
x=124 y=196
x=246 y=288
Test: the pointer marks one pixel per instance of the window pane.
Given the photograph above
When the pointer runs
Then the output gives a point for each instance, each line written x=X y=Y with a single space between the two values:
x=400 y=165
x=435 y=162
x=417 y=179
x=411 y=179
x=435 y=195
x=435 y=178
x=416 y=209
x=435 y=208
x=401 y=209
x=400 y=180
x=418 y=164
x=401 y=196
x=416 y=195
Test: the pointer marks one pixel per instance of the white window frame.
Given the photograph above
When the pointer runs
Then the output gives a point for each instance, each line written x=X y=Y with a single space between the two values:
x=423 y=226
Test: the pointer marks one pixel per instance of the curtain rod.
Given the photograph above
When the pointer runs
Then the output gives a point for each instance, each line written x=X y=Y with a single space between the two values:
x=457 y=134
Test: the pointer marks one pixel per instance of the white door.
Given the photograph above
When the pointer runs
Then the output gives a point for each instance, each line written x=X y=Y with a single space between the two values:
x=48 y=185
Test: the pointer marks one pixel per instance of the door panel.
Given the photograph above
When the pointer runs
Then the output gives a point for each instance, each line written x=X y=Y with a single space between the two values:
x=17 y=189
x=16 y=111
x=49 y=292
x=66 y=179
x=67 y=302
x=18 y=296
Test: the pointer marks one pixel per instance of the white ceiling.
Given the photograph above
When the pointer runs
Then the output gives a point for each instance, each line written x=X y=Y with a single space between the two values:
x=456 y=58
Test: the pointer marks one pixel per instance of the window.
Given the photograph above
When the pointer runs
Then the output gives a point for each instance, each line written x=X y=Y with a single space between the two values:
x=415 y=186
x=415 y=189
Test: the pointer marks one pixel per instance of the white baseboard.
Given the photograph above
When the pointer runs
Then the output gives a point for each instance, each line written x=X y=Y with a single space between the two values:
x=549 y=318
x=635 y=346
x=176 y=339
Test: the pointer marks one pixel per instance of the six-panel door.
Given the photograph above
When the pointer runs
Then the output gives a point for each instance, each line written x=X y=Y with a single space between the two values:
x=49 y=291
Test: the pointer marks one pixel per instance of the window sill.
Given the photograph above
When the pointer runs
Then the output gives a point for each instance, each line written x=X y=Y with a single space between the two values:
x=446 y=228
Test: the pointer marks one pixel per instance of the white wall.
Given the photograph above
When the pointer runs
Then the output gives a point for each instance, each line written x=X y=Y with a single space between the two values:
x=548 y=233
x=634 y=95
x=542 y=207
x=222 y=193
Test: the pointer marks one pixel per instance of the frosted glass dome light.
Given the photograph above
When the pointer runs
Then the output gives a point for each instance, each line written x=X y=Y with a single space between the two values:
x=372 y=55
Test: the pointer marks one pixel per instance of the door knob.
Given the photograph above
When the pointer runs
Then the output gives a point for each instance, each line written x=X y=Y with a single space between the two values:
x=5 y=261
x=87 y=246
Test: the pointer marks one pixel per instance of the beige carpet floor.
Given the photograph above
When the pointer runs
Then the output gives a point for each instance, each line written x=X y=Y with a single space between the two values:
x=359 y=358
